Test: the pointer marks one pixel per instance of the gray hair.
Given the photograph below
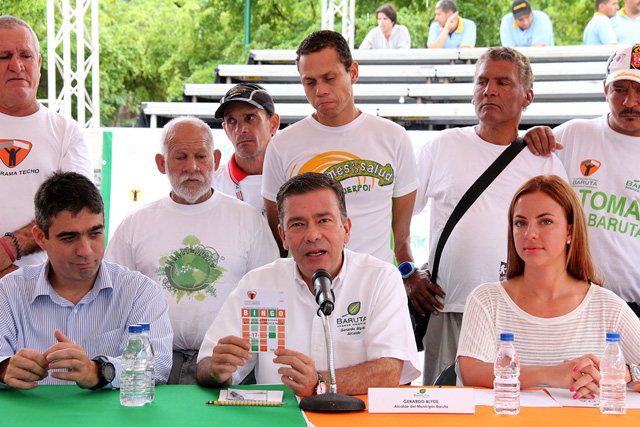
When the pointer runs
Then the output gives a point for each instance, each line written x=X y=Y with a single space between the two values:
x=510 y=55
x=447 y=6
x=8 y=21
x=168 y=131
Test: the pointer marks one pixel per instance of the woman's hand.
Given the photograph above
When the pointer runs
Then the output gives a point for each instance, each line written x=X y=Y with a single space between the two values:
x=580 y=375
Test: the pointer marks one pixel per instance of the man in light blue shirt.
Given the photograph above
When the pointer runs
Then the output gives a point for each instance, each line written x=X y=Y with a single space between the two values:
x=599 y=30
x=626 y=23
x=66 y=320
x=525 y=27
x=449 y=31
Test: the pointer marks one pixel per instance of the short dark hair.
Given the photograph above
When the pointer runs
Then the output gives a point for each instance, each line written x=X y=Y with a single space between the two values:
x=388 y=10
x=510 y=55
x=323 y=39
x=65 y=191
x=447 y=6
x=306 y=183
x=599 y=2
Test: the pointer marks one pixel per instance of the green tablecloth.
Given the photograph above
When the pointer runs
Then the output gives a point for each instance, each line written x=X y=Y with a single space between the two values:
x=174 y=405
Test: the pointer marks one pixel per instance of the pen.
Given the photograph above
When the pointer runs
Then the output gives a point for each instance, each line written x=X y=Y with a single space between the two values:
x=243 y=403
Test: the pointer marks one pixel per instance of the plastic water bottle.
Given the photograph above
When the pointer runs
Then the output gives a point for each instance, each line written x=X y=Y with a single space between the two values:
x=506 y=385
x=151 y=362
x=613 y=387
x=134 y=365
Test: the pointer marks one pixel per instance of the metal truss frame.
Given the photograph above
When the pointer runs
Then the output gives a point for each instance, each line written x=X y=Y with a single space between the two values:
x=347 y=10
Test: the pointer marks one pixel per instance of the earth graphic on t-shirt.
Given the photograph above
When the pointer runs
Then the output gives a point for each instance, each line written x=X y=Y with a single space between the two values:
x=191 y=270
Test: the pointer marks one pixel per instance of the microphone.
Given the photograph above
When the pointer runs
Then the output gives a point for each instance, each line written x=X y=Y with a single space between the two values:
x=321 y=280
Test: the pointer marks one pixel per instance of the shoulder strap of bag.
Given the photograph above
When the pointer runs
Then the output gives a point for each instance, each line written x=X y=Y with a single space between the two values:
x=472 y=194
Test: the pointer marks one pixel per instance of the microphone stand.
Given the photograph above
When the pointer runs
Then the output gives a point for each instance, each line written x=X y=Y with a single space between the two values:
x=331 y=401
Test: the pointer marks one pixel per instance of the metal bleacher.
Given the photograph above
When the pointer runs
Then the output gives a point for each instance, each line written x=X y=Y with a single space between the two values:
x=418 y=88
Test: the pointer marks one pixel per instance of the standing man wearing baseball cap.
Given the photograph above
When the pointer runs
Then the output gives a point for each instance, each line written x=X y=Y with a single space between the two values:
x=525 y=26
x=249 y=120
x=601 y=158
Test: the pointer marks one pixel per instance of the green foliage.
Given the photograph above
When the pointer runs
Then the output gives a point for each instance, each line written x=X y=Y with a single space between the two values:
x=150 y=48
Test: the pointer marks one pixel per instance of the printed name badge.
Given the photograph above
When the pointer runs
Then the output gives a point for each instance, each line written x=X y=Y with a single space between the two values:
x=421 y=401
x=263 y=319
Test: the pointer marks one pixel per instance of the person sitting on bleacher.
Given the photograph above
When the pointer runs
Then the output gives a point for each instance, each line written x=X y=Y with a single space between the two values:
x=552 y=300
x=449 y=31
x=599 y=30
x=525 y=26
x=388 y=34
x=626 y=23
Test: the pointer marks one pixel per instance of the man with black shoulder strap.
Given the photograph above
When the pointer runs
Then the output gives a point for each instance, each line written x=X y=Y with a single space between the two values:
x=448 y=167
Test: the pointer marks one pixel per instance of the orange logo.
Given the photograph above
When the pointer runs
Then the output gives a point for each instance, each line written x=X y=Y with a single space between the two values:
x=589 y=167
x=13 y=151
x=252 y=294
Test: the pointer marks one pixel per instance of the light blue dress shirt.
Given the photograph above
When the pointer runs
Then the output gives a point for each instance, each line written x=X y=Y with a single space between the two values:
x=599 y=30
x=540 y=31
x=463 y=36
x=30 y=310
x=627 y=30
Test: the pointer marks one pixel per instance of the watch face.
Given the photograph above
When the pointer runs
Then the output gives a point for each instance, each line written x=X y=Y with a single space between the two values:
x=108 y=371
x=405 y=268
x=321 y=388
x=635 y=373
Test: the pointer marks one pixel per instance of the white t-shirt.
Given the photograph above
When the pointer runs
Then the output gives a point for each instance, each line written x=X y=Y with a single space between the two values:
x=31 y=149
x=604 y=169
x=399 y=39
x=230 y=180
x=197 y=253
x=546 y=341
x=476 y=250
x=370 y=319
x=372 y=158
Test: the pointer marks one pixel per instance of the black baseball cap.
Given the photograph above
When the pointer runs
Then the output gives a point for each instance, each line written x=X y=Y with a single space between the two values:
x=251 y=93
x=520 y=7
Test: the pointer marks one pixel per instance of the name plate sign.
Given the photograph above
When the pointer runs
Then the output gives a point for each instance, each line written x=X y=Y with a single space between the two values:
x=421 y=401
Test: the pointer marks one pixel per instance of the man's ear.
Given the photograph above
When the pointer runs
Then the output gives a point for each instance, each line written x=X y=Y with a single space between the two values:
x=284 y=241
x=216 y=159
x=160 y=163
x=39 y=237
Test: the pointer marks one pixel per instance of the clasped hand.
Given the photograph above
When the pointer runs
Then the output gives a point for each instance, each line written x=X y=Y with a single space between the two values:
x=580 y=375
x=67 y=360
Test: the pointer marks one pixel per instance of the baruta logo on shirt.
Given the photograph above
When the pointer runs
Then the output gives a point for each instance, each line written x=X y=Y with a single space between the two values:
x=13 y=151
x=191 y=270
x=588 y=168
x=350 y=323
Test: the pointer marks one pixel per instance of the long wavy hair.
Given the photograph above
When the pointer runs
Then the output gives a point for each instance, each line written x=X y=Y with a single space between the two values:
x=579 y=261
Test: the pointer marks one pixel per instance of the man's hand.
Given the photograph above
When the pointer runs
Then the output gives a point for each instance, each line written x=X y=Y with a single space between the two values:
x=300 y=376
x=452 y=22
x=421 y=292
x=24 y=369
x=228 y=354
x=70 y=356
x=541 y=141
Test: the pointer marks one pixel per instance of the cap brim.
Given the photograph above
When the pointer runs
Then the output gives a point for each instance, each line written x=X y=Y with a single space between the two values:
x=220 y=111
x=633 y=75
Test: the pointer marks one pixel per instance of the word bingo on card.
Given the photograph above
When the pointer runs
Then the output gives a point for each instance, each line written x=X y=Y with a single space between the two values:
x=263 y=319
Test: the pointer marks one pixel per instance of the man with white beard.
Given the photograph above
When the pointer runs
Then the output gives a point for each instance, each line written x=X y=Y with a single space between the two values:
x=197 y=243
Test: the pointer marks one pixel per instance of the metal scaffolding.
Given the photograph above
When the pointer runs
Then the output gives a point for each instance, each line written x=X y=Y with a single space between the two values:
x=347 y=11
x=79 y=24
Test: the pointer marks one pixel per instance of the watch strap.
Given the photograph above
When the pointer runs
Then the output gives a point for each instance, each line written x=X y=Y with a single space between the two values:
x=102 y=361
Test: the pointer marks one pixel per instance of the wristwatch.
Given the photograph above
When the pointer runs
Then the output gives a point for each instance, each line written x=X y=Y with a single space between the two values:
x=407 y=269
x=106 y=372
x=635 y=374
x=321 y=386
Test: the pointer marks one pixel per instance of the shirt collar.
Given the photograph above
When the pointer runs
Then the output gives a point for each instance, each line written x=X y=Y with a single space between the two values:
x=336 y=280
x=599 y=14
x=622 y=12
x=43 y=287
x=235 y=172
x=459 y=27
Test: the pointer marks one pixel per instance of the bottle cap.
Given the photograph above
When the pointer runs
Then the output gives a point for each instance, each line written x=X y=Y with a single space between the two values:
x=145 y=326
x=613 y=337
x=506 y=337
x=135 y=329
